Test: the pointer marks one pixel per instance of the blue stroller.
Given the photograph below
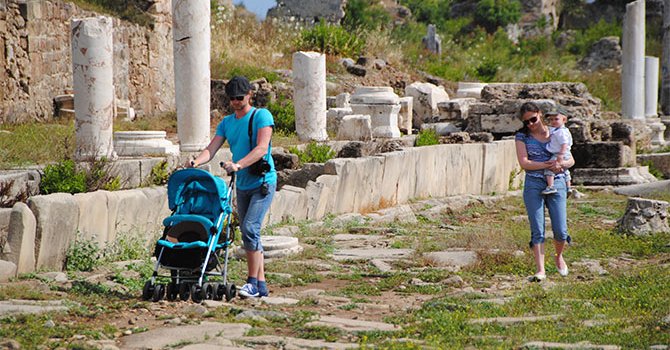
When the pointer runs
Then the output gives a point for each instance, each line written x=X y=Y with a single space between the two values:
x=201 y=205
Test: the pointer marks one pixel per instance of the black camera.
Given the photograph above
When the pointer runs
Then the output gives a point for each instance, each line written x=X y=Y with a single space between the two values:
x=260 y=168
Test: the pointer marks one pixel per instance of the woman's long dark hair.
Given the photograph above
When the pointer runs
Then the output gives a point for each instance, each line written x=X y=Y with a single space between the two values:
x=525 y=108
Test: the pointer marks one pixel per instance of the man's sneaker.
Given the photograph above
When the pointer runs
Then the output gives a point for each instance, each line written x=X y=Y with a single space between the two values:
x=263 y=293
x=249 y=291
x=549 y=190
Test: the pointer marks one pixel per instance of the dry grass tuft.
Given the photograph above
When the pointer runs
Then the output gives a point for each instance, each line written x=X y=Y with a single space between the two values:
x=239 y=40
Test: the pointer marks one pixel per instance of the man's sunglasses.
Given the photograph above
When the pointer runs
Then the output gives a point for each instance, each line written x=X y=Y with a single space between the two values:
x=238 y=98
x=532 y=120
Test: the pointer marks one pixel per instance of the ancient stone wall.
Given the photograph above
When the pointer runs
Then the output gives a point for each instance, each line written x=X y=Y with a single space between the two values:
x=308 y=12
x=36 y=65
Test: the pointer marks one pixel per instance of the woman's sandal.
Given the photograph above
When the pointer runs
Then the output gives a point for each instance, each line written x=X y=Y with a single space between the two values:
x=538 y=277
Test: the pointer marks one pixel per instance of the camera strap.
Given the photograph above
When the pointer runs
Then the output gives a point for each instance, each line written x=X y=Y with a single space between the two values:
x=250 y=131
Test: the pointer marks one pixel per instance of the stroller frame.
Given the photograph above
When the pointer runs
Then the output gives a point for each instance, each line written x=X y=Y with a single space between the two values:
x=186 y=278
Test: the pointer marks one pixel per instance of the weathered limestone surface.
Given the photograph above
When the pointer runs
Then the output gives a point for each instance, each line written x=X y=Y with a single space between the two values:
x=21 y=238
x=309 y=82
x=645 y=216
x=36 y=64
x=93 y=81
x=632 y=68
x=651 y=65
x=191 y=41
x=56 y=228
x=367 y=184
x=355 y=127
x=308 y=12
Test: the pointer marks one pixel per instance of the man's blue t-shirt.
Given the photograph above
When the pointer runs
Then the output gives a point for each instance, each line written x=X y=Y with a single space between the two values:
x=537 y=152
x=236 y=131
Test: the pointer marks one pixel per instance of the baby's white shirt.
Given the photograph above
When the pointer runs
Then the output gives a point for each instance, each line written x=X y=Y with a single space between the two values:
x=558 y=137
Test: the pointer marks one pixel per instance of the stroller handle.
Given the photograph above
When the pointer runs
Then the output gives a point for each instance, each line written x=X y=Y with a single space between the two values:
x=231 y=173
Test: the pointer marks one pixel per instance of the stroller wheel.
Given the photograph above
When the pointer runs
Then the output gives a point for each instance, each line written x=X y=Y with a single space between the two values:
x=184 y=291
x=208 y=291
x=172 y=291
x=197 y=293
x=159 y=292
x=148 y=290
x=219 y=291
x=230 y=291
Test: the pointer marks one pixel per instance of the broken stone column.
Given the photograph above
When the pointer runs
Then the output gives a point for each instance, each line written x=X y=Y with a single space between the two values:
x=191 y=45
x=432 y=40
x=382 y=105
x=405 y=114
x=644 y=217
x=651 y=87
x=309 y=98
x=93 y=82
x=632 y=70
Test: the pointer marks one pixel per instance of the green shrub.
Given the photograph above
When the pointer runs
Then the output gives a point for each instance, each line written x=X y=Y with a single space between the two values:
x=284 y=114
x=492 y=14
x=366 y=15
x=584 y=39
x=83 y=255
x=427 y=137
x=331 y=39
x=159 y=174
x=429 y=11
x=313 y=153
x=63 y=177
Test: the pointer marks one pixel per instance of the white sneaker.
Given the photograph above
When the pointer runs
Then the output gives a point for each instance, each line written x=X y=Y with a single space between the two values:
x=249 y=291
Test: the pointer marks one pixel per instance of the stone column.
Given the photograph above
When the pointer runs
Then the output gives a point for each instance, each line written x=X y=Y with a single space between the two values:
x=632 y=71
x=93 y=82
x=309 y=97
x=651 y=87
x=432 y=40
x=191 y=33
x=665 y=60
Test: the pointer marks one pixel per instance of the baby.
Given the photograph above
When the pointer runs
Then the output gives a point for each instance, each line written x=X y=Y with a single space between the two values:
x=560 y=141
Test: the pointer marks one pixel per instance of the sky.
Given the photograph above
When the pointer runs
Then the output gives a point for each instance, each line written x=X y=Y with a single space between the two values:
x=259 y=7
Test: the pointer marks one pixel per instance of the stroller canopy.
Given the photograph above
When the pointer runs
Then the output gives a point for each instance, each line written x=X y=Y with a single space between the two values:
x=196 y=191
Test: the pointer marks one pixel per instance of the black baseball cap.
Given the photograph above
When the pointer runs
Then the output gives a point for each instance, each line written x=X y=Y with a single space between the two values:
x=238 y=86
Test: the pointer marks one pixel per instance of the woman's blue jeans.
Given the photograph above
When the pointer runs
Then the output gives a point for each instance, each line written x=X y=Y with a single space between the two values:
x=252 y=205
x=556 y=204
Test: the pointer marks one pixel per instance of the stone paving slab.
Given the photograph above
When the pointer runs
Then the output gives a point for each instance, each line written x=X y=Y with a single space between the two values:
x=349 y=325
x=581 y=346
x=513 y=320
x=369 y=254
x=162 y=337
x=14 y=306
x=293 y=343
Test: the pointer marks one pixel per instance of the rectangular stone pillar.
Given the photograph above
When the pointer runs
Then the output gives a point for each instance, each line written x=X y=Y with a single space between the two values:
x=632 y=70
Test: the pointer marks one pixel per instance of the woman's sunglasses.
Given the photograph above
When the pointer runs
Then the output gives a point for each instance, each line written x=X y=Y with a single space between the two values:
x=532 y=120
x=238 y=98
